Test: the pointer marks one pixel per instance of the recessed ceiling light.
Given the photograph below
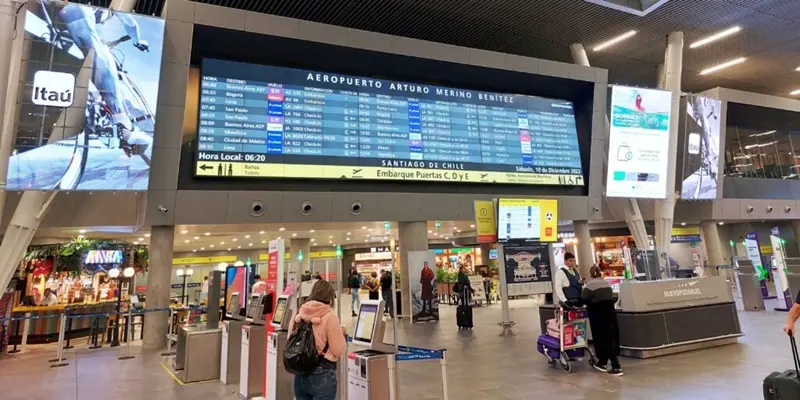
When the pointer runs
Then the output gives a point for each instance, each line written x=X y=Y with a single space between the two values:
x=238 y=247
x=683 y=223
x=261 y=232
x=458 y=230
x=186 y=241
x=222 y=243
x=348 y=233
x=202 y=248
x=207 y=234
x=141 y=238
x=146 y=235
x=264 y=241
x=797 y=69
x=330 y=236
x=294 y=235
x=717 y=36
x=762 y=133
x=724 y=65
x=194 y=251
x=281 y=229
x=348 y=239
x=363 y=227
x=795 y=92
x=313 y=240
x=197 y=238
x=614 y=40
x=721 y=222
x=184 y=231
x=312 y=231
x=472 y=226
x=430 y=231
x=211 y=245
x=330 y=241
x=235 y=239
x=229 y=249
x=82 y=231
x=82 y=236
x=249 y=244
x=247 y=236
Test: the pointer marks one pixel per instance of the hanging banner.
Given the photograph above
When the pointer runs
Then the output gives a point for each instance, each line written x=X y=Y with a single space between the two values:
x=528 y=269
x=485 y=222
x=638 y=143
x=527 y=220
x=701 y=145
x=754 y=255
x=424 y=295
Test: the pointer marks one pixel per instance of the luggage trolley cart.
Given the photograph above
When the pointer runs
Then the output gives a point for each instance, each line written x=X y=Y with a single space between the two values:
x=565 y=339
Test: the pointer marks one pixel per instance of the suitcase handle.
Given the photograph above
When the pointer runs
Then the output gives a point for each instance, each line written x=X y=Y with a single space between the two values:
x=795 y=356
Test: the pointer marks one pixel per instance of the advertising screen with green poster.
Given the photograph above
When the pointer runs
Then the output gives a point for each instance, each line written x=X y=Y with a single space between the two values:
x=638 y=144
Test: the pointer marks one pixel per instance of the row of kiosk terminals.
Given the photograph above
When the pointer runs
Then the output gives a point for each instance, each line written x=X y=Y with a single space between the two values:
x=248 y=348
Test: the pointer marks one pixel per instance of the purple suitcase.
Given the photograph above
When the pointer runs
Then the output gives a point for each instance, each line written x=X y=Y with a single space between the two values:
x=549 y=346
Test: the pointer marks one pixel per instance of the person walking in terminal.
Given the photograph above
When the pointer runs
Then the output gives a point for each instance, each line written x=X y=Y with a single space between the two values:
x=386 y=291
x=330 y=341
x=568 y=281
x=794 y=314
x=354 y=283
x=373 y=285
x=599 y=299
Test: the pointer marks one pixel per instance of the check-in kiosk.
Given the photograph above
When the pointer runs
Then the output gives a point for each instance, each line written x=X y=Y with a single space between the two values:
x=368 y=370
x=251 y=367
x=197 y=356
x=749 y=285
x=279 y=382
x=231 y=341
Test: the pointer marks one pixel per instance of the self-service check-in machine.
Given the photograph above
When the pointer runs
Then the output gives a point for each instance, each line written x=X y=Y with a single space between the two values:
x=251 y=367
x=230 y=359
x=749 y=285
x=368 y=370
x=279 y=382
x=197 y=355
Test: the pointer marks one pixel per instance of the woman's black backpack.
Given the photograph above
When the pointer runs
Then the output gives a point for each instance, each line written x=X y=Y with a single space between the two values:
x=300 y=357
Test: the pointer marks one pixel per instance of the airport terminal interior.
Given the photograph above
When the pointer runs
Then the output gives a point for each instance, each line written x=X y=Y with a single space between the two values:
x=382 y=200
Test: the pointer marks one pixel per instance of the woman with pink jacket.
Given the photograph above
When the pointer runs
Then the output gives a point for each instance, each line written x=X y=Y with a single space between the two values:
x=329 y=336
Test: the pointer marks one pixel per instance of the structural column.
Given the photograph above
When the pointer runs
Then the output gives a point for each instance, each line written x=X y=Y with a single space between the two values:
x=486 y=248
x=295 y=247
x=584 y=247
x=413 y=237
x=796 y=229
x=665 y=209
x=159 y=279
x=715 y=248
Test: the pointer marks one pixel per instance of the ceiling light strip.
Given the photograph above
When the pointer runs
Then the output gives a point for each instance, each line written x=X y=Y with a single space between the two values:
x=724 y=65
x=717 y=36
x=614 y=41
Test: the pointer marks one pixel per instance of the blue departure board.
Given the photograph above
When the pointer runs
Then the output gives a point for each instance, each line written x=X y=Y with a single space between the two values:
x=273 y=122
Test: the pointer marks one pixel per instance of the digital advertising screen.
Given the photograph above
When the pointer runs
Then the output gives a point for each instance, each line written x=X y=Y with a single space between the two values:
x=87 y=108
x=638 y=143
x=271 y=122
x=701 y=148
x=527 y=220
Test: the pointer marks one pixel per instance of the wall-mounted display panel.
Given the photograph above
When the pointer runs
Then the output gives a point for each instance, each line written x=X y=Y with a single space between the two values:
x=527 y=220
x=638 y=143
x=272 y=122
x=102 y=141
x=701 y=148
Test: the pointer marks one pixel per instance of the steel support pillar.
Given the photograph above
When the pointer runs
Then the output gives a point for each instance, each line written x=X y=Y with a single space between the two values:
x=33 y=205
x=630 y=207
x=665 y=209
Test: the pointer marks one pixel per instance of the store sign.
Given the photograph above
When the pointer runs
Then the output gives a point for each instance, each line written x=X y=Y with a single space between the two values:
x=527 y=220
x=638 y=143
x=701 y=149
x=383 y=255
x=204 y=260
x=685 y=235
x=53 y=89
x=485 y=221
x=103 y=257
x=687 y=289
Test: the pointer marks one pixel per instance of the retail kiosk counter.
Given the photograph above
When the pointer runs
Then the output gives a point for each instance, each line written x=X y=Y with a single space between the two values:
x=671 y=316
x=44 y=330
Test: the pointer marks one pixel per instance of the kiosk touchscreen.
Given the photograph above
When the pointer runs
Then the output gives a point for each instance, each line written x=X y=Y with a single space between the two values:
x=368 y=370
x=370 y=327
x=282 y=314
x=234 y=307
x=252 y=308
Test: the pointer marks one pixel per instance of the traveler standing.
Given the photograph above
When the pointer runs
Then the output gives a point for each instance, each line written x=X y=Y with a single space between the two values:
x=599 y=299
x=463 y=286
x=373 y=285
x=354 y=284
x=386 y=292
x=329 y=338
x=568 y=280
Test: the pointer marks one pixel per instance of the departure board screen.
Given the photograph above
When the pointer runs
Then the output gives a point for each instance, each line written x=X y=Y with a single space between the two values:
x=272 y=122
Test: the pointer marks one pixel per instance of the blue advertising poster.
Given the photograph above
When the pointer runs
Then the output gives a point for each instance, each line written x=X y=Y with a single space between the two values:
x=87 y=109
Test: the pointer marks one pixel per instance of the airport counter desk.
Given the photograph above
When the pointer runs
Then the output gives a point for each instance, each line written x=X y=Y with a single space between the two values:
x=672 y=316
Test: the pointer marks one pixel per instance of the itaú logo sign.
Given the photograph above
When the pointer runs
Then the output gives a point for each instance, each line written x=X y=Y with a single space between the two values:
x=53 y=89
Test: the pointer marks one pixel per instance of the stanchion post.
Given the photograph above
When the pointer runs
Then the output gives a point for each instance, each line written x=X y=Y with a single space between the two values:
x=443 y=362
x=169 y=333
x=26 y=327
x=69 y=345
x=95 y=331
x=392 y=377
x=129 y=336
x=16 y=333
x=62 y=329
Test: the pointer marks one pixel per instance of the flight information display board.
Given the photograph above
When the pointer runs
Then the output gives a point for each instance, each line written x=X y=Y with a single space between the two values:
x=272 y=122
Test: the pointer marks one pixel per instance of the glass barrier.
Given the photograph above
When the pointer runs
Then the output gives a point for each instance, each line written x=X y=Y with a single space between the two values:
x=765 y=154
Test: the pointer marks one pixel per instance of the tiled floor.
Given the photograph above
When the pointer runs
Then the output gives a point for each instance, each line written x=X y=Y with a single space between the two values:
x=481 y=365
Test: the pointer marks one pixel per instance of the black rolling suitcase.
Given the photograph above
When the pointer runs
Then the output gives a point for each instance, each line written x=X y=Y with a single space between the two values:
x=784 y=385
x=464 y=311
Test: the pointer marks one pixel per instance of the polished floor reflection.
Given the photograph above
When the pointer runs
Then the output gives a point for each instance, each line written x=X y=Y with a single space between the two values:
x=481 y=365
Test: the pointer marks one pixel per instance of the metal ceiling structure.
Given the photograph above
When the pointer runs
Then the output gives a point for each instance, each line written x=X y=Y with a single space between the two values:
x=770 y=36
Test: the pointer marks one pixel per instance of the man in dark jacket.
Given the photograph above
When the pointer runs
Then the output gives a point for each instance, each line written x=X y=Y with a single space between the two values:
x=599 y=299
x=354 y=284
x=386 y=292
